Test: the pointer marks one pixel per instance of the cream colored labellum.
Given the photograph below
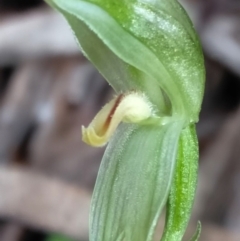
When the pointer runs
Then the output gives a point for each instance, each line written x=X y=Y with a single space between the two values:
x=133 y=107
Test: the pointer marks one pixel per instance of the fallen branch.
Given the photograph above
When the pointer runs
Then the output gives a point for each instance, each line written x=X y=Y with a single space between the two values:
x=35 y=34
x=43 y=202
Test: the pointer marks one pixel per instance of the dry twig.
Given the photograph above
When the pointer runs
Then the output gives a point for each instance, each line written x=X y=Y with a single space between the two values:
x=43 y=202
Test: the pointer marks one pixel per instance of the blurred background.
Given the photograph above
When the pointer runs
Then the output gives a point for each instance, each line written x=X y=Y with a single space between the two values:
x=48 y=90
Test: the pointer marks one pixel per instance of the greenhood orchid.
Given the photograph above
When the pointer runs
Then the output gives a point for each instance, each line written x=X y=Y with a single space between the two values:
x=150 y=54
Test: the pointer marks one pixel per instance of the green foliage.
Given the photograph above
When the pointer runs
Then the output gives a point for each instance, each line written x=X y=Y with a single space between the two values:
x=148 y=46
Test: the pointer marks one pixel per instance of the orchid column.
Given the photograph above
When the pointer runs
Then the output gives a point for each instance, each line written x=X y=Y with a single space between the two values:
x=149 y=53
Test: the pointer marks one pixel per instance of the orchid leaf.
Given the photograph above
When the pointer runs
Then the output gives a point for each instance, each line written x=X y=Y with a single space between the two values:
x=183 y=189
x=133 y=182
x=152 y=28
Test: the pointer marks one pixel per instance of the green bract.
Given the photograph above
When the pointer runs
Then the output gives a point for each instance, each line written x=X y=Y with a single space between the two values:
x=148 y=46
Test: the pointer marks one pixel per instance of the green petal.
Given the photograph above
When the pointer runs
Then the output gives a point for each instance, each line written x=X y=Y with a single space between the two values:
x=155 y=38
x=183 y=190
x=134 y=182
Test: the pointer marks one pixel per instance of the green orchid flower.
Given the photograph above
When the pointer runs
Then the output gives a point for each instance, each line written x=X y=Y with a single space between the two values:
x=150 y=54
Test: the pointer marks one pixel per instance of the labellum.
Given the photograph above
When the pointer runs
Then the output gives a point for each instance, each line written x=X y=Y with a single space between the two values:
x=132 y=107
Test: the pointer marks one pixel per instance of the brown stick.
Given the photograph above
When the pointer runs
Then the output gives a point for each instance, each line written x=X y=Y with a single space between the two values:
x=43 y=202
x=33 y=35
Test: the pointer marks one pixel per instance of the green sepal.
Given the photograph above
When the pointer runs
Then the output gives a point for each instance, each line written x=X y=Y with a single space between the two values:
x=169 y=59
x=134 y=182
x=183 y=189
